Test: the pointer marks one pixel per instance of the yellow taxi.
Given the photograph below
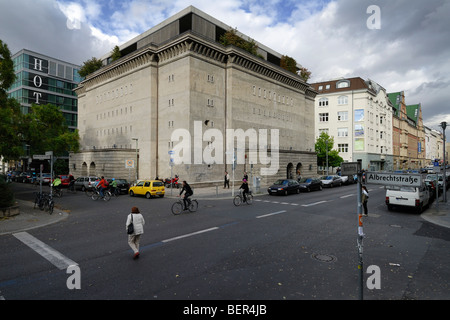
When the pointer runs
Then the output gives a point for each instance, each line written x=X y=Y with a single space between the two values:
x=148 y=188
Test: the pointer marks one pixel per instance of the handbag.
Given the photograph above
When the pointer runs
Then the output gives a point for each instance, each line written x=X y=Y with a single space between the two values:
x=130 y=229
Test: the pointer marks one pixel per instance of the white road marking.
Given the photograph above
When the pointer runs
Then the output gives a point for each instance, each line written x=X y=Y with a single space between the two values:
x=349 y=195
x=190 y=234
x=313 y=204
x=270 y=214
x=56 y=258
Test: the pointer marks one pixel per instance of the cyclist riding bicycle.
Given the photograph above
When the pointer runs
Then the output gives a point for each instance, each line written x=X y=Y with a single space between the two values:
x=102 y=185
x=245 y=189
x=187 y=193
x=113 y=186
x=57 y=183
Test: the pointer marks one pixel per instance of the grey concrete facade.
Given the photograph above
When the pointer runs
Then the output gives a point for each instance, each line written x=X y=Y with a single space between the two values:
x=194 y=83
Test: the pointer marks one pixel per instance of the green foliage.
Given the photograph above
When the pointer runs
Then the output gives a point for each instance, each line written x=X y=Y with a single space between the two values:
x=46 y=129
x=288 y=64
x=231 y=38
x=7 y=75
x=11 y=131
x=6 y=194
x=115 y=54
x=90 y=66
x=321 y=147
x=305 y=74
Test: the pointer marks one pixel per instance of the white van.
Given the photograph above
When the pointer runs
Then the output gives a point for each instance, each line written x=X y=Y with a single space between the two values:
x=416 y=197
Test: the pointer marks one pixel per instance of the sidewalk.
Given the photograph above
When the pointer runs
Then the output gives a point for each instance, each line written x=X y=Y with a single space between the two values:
x=440 y=215
x=30 y=218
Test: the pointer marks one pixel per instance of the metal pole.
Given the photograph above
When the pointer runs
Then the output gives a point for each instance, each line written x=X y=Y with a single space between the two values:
x=360 y=232
x=444 y=178
x=326 y=152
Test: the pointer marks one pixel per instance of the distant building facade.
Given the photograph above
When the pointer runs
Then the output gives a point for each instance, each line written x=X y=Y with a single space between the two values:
x=358 y=115
x=177 y=76
x=409 y=134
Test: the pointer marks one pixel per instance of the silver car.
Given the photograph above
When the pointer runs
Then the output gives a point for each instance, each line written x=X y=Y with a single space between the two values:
x=83 y=183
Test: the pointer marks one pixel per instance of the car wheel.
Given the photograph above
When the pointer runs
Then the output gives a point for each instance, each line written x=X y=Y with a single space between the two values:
x=131 y=193
x=320 y=188
x=148 y=195
x=285 y=192
x=298 y=191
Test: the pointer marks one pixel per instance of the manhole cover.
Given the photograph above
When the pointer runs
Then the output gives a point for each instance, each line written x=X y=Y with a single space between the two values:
x=323 y=257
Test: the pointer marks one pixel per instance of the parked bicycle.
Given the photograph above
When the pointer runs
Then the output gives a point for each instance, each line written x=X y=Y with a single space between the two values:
x=178 y=206
x=44 y=201
x=39 y=200
x=239 y=199
x=96 y=195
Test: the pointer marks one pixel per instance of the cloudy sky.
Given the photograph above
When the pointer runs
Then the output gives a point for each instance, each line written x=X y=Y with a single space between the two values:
x=407 y=49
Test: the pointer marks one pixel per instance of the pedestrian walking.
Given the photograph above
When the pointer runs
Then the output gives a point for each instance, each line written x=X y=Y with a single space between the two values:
x=135 y=218
x=364 y=199
x=226 y=181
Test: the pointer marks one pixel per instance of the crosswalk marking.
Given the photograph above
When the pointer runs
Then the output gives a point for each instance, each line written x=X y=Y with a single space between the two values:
x=56 y=258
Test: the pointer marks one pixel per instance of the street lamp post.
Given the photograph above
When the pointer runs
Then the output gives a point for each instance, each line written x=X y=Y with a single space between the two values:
x=137 y=159
x=444 y=178
x=326 y=153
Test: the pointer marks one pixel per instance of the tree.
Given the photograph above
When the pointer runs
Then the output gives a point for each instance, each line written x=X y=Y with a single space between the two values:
x=90 y=66
x=231 y=38
x=304 y=73
x=10 y=115
x=321 y=147
x=115 y=54
x=288 y=64
x=46 y=129
x=7 y=75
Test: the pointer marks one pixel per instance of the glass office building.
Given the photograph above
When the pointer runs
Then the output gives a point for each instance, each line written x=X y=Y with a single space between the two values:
x=45 y=80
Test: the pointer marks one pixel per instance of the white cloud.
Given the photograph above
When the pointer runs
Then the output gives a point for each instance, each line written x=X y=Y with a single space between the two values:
x=410 y=52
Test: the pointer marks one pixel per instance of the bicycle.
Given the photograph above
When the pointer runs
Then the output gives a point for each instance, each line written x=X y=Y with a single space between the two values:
x=178 y=206
x=49 y=204
x=57 y=192
x=106 y=195
x=239 y=199
x=39 y=200
x=89 y=191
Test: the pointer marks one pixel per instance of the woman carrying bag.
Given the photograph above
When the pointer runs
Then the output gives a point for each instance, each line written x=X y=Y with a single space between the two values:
x=135 y=227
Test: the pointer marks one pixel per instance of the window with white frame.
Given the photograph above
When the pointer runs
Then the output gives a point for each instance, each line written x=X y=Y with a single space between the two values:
x=343 y=147
x=343 y=100
x=342 y=115
x=323 y=117
x=323 y=102
x=342 y=132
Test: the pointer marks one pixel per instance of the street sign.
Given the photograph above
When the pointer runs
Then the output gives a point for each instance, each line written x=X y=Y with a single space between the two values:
x=394 y=179
x=41 y=157
x=436 y=167
x=349 y=168
x=129 y=164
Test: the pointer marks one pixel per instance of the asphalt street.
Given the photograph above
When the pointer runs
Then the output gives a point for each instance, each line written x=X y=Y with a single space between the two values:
x=296 y=247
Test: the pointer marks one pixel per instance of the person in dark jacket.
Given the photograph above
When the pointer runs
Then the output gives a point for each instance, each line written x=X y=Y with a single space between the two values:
x=187 y=193
x=245 y=189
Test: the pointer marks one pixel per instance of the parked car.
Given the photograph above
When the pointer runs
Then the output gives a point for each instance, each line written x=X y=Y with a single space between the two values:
x=331 y=181
x=44 y=177
x=64 y=180
x=24 y=177
x=310 y=184
x=122 y=185
x=84 y=183
x=148 y=188
x=284 y=187
x=431 y=188
x=415 y=197
x=432 y=177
